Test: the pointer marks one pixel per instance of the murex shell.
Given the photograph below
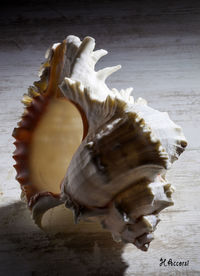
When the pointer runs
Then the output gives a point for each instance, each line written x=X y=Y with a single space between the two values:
x=115 y=173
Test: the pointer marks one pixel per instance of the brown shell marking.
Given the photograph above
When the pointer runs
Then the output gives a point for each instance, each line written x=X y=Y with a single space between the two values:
x=41 y=95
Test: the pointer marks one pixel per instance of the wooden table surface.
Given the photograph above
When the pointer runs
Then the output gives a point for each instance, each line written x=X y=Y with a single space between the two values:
x=158 y=45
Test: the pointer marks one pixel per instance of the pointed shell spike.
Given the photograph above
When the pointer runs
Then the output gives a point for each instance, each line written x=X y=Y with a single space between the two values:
x=103 y=74
x=96 y=55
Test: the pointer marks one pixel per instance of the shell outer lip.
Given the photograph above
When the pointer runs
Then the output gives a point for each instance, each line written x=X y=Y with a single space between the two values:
x=42 y=202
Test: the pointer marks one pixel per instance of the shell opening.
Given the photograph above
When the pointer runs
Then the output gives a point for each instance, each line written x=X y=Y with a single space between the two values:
x=56 y=138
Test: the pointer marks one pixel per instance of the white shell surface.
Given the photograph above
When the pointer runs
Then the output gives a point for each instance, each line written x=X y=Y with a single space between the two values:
x=127 y=143
x=117 y=175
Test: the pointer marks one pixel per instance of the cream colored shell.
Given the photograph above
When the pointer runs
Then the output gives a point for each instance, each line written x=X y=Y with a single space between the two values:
x=117 y=174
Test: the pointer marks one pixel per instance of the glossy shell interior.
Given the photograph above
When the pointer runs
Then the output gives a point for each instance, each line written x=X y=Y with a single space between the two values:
x=43 y=152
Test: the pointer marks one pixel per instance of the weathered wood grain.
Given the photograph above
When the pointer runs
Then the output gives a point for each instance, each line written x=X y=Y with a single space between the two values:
x=158 y=45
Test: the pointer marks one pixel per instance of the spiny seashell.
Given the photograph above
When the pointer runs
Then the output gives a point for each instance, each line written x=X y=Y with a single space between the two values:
x=116 y=174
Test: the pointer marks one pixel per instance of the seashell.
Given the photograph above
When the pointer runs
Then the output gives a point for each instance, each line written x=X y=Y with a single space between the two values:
x=93 y=148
